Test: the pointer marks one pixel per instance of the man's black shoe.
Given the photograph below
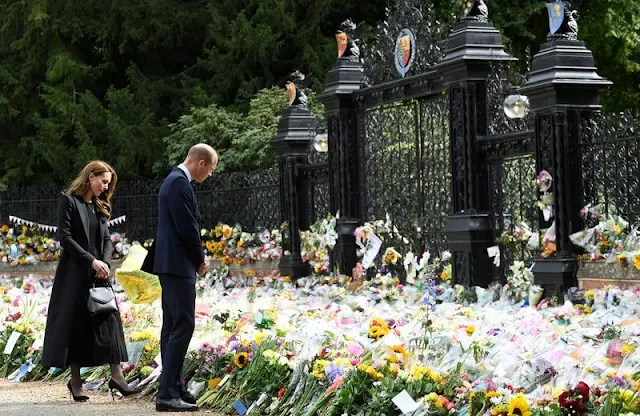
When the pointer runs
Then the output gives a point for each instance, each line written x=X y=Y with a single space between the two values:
x=187 y=397
x=175 y=405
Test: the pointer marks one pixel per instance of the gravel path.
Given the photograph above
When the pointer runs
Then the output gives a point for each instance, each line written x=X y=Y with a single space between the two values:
x=52 y=399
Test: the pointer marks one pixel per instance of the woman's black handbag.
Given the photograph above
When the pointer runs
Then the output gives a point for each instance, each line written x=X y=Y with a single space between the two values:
x=102 y=300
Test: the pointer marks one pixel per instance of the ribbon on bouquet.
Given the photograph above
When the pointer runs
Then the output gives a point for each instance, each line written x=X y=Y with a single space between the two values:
x=50 y=228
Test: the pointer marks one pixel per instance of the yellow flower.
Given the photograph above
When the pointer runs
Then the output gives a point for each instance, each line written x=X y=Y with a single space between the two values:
x=144 y=335
x=213 y=383
x=617 y=229
x=420 y=372
x=4 y=228
x=518 y=405
x=319 y=367
x=241 y=359
x=210 y=246
x=435 y=399
x=227 y=232
x=260 y=336
x=367 y=369
x=470 y=330
x=621 y=259
x=636 y=261
x=251 y=273
x=500 y=409
x=148 y=348
x=20 y=328
x=396 y=353
x=342 y=362
x=391 y=256
x=627 y=349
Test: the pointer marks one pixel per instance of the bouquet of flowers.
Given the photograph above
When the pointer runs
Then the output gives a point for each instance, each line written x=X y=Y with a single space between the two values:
x=611 y=239
x=233 y=245
x=317 y=242
x=27 y=245
x=519 y=281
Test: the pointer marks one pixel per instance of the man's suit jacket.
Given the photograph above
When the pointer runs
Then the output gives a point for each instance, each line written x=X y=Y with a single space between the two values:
x=178 y=247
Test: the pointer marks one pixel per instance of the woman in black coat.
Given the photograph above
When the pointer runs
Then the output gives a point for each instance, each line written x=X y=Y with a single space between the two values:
x=73 y=336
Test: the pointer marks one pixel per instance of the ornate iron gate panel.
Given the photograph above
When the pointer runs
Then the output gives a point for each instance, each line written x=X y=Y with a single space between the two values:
x=511 y=168
x=315 y=179
x=610 y=149
x=406 y=167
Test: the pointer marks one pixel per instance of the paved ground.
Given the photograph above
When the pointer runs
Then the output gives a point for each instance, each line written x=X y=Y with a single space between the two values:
x=52 y=399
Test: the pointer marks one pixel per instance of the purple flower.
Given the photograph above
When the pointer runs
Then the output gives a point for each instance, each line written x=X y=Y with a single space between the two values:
x=620 y=381
x=333 y=372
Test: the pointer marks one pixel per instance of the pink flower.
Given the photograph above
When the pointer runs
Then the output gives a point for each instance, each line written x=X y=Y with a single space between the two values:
x=354 y=350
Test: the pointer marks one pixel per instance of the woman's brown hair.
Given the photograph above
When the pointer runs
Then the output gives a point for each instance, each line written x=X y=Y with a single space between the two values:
x=81 y=185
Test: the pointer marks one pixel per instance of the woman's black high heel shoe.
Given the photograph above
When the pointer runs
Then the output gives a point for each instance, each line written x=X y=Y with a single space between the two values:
x=80 y=398
x=125 y=392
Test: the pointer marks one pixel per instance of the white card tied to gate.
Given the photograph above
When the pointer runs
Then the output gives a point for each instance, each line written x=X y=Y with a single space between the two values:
x=494 y=252
x=405 y=402
x=370 y=253
x=11 y=343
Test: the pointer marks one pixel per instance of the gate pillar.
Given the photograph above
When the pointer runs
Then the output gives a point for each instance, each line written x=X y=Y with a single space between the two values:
x=563 y=90
x=344 y=77
x=296 y=127
x=473 y=47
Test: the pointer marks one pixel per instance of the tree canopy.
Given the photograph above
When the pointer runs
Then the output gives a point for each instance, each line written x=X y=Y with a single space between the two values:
x=136 y=82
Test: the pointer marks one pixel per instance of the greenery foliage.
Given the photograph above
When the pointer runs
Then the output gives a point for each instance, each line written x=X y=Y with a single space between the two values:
x=136 y=83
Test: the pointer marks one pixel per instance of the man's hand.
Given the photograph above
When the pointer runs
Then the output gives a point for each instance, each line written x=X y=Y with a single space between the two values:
x=101 y=268
x=204 y=267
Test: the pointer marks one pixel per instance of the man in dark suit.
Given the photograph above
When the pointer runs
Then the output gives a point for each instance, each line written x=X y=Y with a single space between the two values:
x=178 y=258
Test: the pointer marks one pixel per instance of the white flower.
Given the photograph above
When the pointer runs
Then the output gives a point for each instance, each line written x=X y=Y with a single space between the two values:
x=446 y=255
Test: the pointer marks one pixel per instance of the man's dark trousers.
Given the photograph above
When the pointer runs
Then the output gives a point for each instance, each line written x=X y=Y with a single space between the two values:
x=178 y=323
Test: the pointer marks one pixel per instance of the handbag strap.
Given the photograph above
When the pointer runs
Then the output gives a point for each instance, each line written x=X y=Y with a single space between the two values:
x=107 y=280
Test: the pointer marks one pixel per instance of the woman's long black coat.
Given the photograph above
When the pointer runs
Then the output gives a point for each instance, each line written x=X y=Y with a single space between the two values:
x=74 y=267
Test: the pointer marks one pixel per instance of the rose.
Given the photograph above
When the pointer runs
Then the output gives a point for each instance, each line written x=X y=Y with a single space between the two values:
x=544 y=181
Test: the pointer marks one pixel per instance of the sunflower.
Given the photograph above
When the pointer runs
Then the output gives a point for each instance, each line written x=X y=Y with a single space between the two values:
x=241 y=359
x=210 y=246
x=622 y=259
x=4 y=228
x=636 y=261
x=519 y=406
